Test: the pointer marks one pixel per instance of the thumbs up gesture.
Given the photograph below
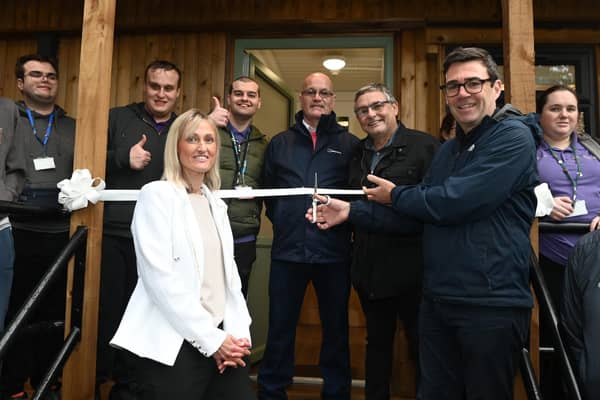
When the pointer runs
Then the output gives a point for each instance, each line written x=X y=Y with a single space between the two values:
x=138 y=157
x=219 y=115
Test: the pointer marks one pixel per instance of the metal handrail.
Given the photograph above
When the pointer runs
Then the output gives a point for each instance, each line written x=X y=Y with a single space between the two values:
x=563 y=227
x=65 y=351
x=40 y=290
x=25 y=210
x=528 y=373
x=543 y=295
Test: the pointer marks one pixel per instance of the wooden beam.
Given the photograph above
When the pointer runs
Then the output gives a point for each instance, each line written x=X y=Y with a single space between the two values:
x=519 y=89
x=79 y=376
x=519 y=53
x=454 y=35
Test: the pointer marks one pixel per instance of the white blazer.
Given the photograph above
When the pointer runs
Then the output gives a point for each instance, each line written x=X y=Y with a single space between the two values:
x=165 y=309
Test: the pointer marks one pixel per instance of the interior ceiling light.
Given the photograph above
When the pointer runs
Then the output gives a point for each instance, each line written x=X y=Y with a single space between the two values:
x=334 y=63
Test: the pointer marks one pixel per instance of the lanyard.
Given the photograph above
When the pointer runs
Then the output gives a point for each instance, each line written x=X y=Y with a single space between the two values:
x=44 y=141
x=240 y=159
x=561 y=163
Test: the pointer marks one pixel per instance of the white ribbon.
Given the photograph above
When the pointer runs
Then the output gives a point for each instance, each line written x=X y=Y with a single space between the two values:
x=77 y=191
x=545 y=201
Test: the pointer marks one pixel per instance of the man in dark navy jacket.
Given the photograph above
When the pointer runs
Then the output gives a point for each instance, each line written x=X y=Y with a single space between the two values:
x=477 y=205
x=302 y=253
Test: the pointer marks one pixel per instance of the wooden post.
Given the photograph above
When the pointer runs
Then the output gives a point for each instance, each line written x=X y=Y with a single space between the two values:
x=79 y=376
x=519 y=90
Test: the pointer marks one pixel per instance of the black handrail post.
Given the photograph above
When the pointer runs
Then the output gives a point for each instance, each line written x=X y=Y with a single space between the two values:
x=543 y=295
x=64 y=353
x=78 y=286
x=528 y=374
x=41 y=288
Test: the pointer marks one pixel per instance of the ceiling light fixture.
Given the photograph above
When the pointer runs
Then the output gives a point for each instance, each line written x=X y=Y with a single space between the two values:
x=334 y=63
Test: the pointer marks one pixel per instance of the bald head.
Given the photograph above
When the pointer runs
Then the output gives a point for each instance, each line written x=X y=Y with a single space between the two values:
x=317 y=97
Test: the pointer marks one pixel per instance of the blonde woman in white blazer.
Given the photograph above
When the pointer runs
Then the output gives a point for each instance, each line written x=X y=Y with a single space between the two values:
x=186 y=324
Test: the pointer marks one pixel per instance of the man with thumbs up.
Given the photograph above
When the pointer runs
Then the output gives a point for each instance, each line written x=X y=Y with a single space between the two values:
x=136 y=141
x=241 y=159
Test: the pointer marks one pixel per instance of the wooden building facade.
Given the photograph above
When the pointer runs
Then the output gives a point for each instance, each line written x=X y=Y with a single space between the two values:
x=200 y=37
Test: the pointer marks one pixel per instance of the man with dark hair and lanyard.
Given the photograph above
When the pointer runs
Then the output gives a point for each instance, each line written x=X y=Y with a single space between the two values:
x=47 y=136
x=242 y=155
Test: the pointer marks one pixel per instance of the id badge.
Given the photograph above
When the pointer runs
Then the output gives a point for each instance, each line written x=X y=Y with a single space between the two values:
x=580 y=209
x=43 y=163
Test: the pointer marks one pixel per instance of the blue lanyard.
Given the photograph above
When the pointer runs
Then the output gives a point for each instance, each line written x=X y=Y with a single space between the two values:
x=242 y=163
x=561 y=163
x=44 y=141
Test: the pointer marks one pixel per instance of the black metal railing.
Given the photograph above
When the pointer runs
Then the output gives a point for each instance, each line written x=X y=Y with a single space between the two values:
x=75 y=247
x=548 y=309
x=528 y=374
x=563 y=227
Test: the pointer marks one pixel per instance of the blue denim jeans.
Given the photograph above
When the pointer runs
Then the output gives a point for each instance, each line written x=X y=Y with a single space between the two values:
x=7 y=258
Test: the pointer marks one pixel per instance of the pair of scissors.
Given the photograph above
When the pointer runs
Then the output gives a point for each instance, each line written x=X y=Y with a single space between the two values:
x=315 y=202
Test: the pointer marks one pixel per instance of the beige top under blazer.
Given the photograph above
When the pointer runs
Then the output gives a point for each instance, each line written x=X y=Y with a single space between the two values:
x=165 y=308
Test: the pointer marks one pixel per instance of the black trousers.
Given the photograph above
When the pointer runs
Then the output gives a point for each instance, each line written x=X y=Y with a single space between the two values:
x=192 y=377
x=382 y=317
x=551 y=384
x=30 y=355
x=245 y=255
x=117 y=281
x=468 y=351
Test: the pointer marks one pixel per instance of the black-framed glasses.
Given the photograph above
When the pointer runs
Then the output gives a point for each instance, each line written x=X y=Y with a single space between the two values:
x=377 y=106
x=323 y=93
x=51 y=76
x=472 y=86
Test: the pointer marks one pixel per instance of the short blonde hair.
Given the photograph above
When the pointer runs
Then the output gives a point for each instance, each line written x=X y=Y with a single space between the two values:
x=189 y=122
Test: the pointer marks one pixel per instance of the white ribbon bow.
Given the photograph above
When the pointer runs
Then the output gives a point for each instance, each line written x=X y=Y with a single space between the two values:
x=81 y=188
x=545 y=201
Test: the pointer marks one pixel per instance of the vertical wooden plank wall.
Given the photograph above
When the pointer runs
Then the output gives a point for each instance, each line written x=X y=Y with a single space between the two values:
x=417 y=81
x=200 y=56
x=405 y=50
x=10 y=50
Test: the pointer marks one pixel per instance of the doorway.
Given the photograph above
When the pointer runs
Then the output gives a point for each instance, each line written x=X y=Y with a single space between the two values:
x=280 y=65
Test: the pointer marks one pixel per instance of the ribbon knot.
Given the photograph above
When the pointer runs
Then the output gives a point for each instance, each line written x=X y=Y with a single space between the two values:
x=81 y=188
x=545 y=201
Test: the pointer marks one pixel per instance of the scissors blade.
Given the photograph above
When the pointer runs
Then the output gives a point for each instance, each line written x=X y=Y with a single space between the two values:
x=314 y=202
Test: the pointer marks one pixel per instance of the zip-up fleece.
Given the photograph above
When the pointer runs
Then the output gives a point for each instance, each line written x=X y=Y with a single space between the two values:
x=40 y=186
x=126 y=125
x=244 y=215
x=290 y=161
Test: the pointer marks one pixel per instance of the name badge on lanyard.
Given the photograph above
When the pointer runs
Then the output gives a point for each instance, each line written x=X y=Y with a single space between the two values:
x=240 y=161
x=44 y=162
